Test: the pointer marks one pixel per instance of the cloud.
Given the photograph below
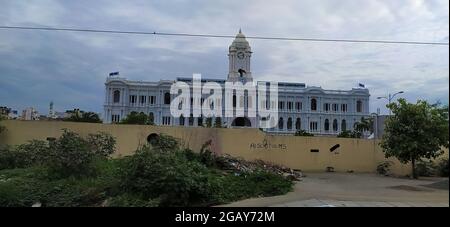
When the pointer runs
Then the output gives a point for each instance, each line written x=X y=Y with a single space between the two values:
x=70 y=68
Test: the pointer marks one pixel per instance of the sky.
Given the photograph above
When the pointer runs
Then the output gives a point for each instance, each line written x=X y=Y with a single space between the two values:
x=70 y=68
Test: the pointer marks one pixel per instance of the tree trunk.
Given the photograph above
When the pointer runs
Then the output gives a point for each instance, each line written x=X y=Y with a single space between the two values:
x=413 y=164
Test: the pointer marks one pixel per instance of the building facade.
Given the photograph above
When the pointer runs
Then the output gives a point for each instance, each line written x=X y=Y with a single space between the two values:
x=300 y=107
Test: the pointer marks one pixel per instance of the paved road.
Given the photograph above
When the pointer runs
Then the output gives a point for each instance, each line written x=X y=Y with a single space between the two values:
x=356 y=190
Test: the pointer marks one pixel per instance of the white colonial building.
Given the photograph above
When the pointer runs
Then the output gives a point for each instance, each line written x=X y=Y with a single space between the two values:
x=300 y=107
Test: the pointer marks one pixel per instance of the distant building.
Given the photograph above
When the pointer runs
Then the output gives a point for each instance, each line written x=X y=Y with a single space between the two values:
x=30 y=114
x=300 y=107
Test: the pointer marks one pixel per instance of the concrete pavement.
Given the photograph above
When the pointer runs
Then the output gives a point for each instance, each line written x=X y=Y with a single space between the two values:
x=356 y=190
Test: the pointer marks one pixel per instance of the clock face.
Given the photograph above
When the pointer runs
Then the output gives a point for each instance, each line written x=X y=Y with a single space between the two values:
x=240 y=55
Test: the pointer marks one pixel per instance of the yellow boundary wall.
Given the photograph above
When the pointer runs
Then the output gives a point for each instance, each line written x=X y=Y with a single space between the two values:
x=357 y=155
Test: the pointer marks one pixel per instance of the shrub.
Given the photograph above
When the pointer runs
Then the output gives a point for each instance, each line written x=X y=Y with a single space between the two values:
x=36 y=152
x=10 y=159
x=165 y=143
x=442 y=168
x=349 y=134
x=303 y=133
x=383 y=168
x=425 y=168
x=101 y=144
x=70 y=156
x=167 y=176
x=234 y=187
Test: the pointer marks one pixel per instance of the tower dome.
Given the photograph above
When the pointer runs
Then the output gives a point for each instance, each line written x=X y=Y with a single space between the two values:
x=240 y=42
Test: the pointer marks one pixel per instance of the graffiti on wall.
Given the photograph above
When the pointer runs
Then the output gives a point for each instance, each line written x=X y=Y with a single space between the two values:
x=266 y=145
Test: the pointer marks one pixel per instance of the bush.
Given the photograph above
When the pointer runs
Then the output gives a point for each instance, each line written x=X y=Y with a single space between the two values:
x=10 y=159
x=442 y=168
x=36 y=152
x=70 y=156
x=303 y=133
x=167 y=176
x=101 y=144
x=229 y=188
x=383 y=168
x=425 y=168
x=164 y=143
x=349 y=134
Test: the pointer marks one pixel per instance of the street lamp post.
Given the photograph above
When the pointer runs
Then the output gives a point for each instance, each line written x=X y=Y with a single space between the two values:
x=390 y=97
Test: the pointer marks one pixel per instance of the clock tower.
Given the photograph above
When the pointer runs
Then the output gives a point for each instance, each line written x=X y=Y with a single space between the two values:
x=239 y=59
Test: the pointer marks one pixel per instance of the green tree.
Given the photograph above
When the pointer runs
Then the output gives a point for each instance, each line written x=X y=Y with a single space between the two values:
x=366 y=124
x=135 y=118
x=349 y=134
x=415 y=131
x=81 y=116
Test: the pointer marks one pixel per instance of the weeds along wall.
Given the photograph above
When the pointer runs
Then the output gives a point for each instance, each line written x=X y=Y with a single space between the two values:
x=304 y=153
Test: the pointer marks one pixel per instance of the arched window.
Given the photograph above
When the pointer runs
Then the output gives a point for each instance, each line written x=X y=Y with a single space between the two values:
x=167 y=98
x=359 y=107
x=327 y=125
x=280 y=124
x=116 y=96
x=181 y=120
x=335 y=125
x=289 y=124
x=344 y=125
x=298 y=124
x=313 y=104
x=234 y=101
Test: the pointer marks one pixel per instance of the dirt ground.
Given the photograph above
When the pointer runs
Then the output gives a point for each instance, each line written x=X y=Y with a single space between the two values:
x=321 y=189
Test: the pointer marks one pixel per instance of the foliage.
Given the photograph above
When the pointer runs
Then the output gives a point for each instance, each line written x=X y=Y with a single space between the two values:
x=10 y=159
x=32 y=153
x=167 y=176
x=232 y=187
x=218 y=122
x=89 y=117
x=366 y=124
x=135 y=118
x=208 y=122
x=162 y=174
x=442 y=167
x=383 y=168
x=303 y=133
x=25 y=187
x=165 y=143
x=70 y=156
x=425 y=168
x=349 y=134
x=101 y=144
x=415 y=131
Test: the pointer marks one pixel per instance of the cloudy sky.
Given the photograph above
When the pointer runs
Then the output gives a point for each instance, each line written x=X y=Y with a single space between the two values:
x=70 y=68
